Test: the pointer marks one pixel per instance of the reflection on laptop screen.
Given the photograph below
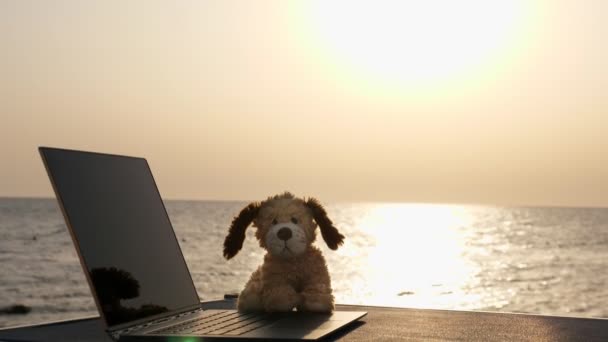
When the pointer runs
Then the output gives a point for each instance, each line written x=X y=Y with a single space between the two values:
x=123 y=233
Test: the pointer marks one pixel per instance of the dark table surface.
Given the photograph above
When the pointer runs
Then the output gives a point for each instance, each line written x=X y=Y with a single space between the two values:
x=380 y=324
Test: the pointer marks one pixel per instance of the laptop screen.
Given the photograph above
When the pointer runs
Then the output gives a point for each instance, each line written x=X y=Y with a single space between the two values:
x=123 y=234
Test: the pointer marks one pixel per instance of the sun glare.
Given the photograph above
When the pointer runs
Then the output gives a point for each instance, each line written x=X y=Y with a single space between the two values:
x=422 y=240
x=415 y=257
x=415 y=41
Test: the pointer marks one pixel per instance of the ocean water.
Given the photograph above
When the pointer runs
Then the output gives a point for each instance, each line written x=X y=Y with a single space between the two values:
x=531 y=260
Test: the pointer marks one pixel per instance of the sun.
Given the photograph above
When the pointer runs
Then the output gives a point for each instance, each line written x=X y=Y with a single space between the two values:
x=414 y=41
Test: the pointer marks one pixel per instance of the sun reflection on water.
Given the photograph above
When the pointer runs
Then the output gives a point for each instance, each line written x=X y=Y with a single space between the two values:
x=413 y=256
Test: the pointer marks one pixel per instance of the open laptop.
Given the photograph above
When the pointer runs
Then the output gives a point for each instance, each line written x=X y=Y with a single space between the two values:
x=134 y=264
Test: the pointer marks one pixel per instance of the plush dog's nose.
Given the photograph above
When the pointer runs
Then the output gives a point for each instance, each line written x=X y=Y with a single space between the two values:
x=284 y=233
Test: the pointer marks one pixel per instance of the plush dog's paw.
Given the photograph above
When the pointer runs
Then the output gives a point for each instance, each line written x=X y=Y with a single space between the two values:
x=250 y=303
x=317 y=302
x=282 y=299
x=250 y=299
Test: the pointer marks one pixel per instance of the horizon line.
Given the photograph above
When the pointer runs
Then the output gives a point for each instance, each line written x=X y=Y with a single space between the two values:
x=385 y=202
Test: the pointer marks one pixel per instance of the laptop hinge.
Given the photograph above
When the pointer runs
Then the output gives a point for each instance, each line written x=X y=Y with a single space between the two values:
x=116 y=332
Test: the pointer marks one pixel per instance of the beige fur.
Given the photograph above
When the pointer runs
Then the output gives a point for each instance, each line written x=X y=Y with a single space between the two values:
x=294 y=273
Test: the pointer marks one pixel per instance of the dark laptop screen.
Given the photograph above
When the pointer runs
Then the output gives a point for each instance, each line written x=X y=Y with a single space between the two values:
x=123 y=233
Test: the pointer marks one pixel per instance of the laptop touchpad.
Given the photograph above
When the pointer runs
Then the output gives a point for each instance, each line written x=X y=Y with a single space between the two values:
x=308 y=327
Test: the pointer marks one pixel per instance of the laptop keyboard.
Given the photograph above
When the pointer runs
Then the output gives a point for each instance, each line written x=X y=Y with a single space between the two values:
x=218 y=322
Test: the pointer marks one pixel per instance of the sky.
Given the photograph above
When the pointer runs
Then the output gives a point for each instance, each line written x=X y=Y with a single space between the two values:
x=473 y=101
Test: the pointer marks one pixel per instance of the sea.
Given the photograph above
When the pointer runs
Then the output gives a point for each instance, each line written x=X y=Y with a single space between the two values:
x=538 y=260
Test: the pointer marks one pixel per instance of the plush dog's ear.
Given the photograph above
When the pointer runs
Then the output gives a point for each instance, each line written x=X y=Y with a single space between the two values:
x=236 y=234
x=330 y=234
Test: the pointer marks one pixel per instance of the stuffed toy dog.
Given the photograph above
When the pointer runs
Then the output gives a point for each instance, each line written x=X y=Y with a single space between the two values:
x=294 y=273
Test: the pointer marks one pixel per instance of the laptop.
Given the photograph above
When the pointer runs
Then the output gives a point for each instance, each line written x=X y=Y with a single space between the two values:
x=134 y=265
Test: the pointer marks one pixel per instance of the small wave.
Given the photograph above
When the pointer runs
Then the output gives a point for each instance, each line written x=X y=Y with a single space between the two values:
x=64 y=308
x=17 y=309
x=526 y=279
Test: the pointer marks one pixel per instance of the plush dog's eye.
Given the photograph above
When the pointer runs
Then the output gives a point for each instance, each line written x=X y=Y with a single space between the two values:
x=294 y=220
x=275 y=221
